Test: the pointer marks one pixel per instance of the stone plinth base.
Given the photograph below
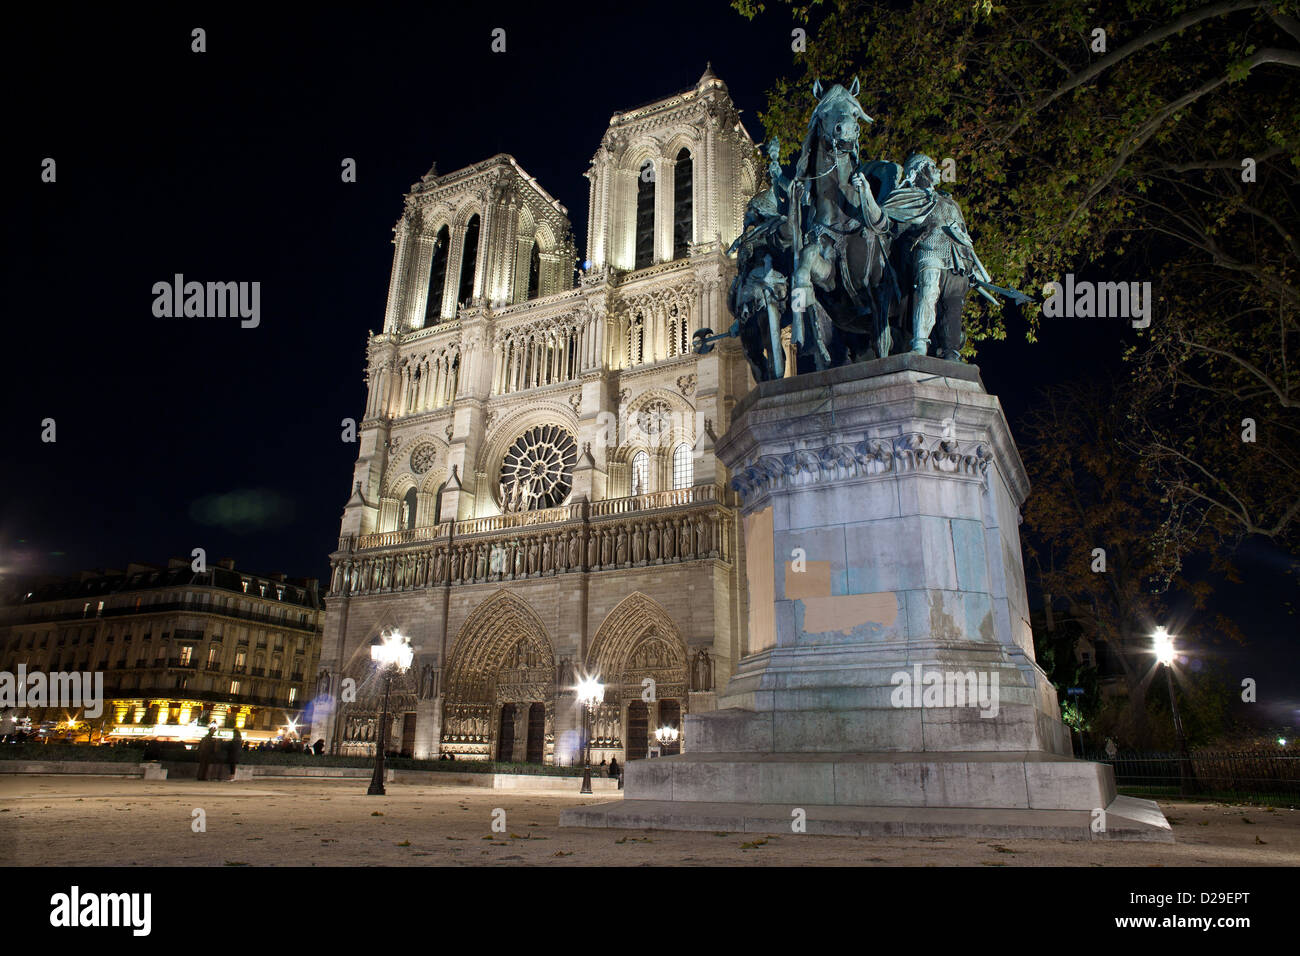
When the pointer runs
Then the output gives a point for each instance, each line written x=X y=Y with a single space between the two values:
x=1127 y=818
x=992 y=794
x=887 y=684
x=968 y=780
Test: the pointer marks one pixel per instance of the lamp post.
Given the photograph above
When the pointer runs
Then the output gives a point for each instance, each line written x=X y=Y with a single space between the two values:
x=392 y=651
x=590 y=693
x=1164 y=650
x=667 y=736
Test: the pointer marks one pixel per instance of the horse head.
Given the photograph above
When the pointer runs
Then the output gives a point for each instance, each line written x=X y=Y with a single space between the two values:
x=836 y=117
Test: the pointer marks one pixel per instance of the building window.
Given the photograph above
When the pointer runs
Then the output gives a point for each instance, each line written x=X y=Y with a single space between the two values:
x=212 y=655
x=683 y=205
x=234 y=687
x=537 y=470
x=640 y=473
x=678 y=333
x=437 y=277
x=534 y=271
x=645 y=216
x=293 y=694
x=468 y=261
x=683 y=467
x=186 y=653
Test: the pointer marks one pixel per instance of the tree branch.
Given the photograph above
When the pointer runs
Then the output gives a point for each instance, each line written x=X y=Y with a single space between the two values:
x=1149 y=128
x=1093 y=70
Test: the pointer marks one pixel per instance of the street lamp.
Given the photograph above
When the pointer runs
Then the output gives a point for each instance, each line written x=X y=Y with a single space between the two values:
x=590 y=693
x=1164 y=651
x=667 y=736
x=392 y=651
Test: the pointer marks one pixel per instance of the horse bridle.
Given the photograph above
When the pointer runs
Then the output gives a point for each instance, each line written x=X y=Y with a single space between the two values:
x=836 y=150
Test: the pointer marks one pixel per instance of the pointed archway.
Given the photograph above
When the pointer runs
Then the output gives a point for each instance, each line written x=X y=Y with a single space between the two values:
x=500 y=666
x=640 y=656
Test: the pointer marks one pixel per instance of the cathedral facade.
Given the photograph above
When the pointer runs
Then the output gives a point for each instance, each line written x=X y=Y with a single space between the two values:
x=536 y=496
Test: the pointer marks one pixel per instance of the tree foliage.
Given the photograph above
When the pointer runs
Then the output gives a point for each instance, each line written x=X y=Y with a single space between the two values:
x=1090 y=541
x=1113 y=136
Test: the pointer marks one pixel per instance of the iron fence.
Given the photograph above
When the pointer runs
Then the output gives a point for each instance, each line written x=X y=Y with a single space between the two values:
x=1237 y=774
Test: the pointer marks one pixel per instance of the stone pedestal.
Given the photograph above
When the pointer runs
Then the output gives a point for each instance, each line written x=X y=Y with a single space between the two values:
x=428 y=728
x=888 y=683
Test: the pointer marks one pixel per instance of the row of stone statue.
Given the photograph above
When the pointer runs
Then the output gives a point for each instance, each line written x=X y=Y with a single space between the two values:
x=857 y=259
x=629 y=542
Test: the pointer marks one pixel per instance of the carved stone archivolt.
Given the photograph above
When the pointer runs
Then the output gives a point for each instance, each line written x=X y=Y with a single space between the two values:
x=638 y=640
x=490 y=641
x=912 y=453
x=502 y=656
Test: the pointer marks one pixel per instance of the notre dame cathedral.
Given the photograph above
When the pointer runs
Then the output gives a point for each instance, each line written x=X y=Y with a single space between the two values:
x=536 y=496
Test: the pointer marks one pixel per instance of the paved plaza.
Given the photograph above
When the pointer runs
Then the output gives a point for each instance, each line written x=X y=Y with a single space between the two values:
x=82 y=820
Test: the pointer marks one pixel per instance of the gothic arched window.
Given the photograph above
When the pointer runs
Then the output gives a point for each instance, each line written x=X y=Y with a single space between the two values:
x=640 y=473
x=683 y=467
x=534 y=272
x=645 y=216
x=683 y=205
x=437 y=278
x=678 y=334
x=469 y=258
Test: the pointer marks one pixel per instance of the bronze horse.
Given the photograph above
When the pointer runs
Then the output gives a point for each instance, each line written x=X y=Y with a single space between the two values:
x=843 y=282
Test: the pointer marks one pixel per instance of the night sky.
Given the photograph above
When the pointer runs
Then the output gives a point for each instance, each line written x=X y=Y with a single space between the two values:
x=225 y=166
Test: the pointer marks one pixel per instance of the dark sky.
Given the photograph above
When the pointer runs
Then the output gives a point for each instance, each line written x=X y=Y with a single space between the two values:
x=181 y=433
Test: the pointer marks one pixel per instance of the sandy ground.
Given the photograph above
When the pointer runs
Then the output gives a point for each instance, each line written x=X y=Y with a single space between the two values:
x=96 y=821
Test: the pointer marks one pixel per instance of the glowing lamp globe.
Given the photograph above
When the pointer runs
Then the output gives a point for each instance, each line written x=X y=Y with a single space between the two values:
x=392 y=649
x=666 y=735
x=591 y=691
x=1164 y=646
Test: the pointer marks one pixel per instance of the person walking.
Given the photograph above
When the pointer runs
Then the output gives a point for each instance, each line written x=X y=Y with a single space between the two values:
x=233 y=746
x=207 y=751
x=613 y=767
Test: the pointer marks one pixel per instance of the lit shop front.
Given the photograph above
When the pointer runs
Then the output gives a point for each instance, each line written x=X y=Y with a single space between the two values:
x=189 y=720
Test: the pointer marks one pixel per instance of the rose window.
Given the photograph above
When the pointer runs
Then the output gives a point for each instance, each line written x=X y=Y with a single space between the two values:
x=422 y=458
x=655 y=421
x=537 y=471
